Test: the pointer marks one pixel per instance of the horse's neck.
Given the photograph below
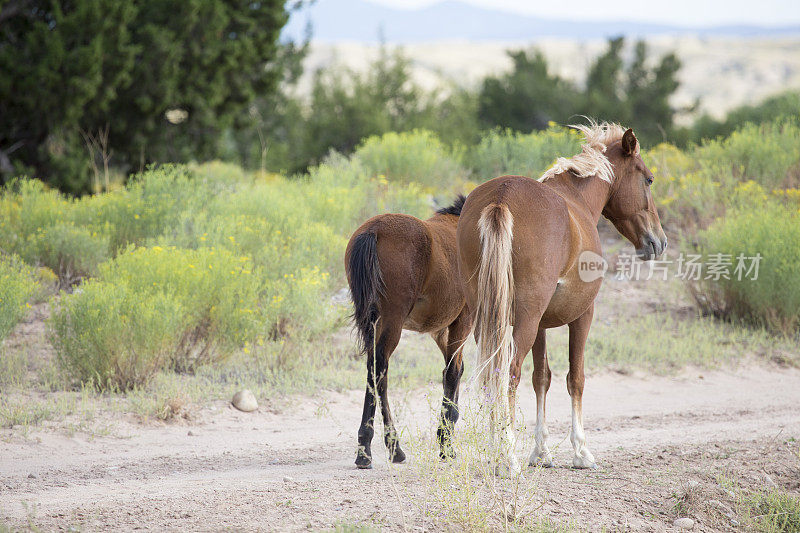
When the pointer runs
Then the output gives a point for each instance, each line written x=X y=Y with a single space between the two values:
x=587 y=194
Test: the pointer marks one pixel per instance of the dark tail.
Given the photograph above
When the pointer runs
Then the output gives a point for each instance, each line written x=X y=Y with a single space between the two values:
x=366 y=285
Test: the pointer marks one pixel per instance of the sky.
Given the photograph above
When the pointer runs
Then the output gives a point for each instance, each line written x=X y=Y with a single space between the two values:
x=698 y=13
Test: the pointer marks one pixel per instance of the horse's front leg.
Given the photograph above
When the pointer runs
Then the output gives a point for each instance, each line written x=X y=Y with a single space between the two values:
x=578 y=332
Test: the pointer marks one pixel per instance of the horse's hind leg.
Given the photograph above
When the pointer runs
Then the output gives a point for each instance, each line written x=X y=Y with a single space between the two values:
x=450 y=342
x=390 y=336
x=541 y=383
x=503 y=412
x=389 y=331
x=578 y=332
x=367 y=428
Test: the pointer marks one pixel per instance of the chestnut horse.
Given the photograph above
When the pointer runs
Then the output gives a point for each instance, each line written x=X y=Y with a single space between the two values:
x=522 y=244
x=403 y=273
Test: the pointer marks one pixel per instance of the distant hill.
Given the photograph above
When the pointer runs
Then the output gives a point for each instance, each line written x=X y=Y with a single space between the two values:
x=363 y=21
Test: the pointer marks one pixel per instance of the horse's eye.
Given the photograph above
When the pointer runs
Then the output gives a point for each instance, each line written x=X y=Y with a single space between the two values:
x=649 y=180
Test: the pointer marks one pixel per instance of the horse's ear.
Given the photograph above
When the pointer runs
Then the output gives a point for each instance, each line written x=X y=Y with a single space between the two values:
x=630 y=146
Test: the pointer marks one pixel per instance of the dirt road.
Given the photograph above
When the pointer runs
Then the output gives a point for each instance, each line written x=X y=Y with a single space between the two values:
x=293 y=470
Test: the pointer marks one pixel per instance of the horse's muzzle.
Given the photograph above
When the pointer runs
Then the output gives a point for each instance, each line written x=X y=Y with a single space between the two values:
x=651 y=247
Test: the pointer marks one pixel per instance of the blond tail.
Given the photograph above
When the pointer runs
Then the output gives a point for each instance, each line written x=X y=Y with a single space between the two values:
x=495 y=300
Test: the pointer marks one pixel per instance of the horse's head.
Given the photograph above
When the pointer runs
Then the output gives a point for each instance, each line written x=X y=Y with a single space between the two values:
x=630 y=206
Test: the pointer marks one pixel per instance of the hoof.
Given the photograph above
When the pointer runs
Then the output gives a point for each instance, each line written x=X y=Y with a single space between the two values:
x=398 y=456
x=541 y=463
x=363 y=461
x=447 y=454
x=508 y=468
x=584 y=463
x=544 y=460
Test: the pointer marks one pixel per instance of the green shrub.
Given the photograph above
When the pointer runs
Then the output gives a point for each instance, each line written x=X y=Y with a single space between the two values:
x=343 y=193
x=219 y=174
x=115 y=336
x=18 y=284
x=38 y=225
x=295 y=232
x=695 y=187
x=767 y=153
x=216 y=291
x=155 y=308
x=282 y=246
x=772 y=230
x=414 y=156
x=27 y=206
x=508 y=152
x=152 y=202
x=782 y=105
x=72 y=252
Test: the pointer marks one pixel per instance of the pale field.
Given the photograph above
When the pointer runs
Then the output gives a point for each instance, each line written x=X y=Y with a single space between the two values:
x=721 y=73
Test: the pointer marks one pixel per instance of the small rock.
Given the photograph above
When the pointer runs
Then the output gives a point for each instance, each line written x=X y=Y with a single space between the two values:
x=683 y=523
x=692 y=484
x=192 y=433
x=244 y=400
x=288 y=479
x=768 y=480
x=31 y=476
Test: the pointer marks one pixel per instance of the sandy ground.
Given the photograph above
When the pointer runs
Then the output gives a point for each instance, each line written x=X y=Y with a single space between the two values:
x=293 y=470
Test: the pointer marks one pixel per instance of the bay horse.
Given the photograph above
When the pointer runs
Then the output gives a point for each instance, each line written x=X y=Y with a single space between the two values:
x=403 y=274
x=521 y=246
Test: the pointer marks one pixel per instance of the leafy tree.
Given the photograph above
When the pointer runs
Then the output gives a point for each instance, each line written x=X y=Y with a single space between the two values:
x=528 y=97
x=346 y=106
x=59 y=65
x=88 y=66
x=605 y=94
x=648 y=94
x=271 y=135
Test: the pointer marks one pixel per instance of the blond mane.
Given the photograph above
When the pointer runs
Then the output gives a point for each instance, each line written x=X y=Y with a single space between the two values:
x=592 y=160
